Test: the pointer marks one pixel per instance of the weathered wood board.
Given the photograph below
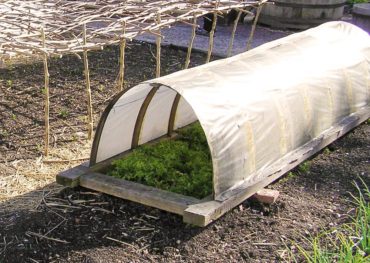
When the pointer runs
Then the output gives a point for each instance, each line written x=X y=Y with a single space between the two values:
x=202 y=212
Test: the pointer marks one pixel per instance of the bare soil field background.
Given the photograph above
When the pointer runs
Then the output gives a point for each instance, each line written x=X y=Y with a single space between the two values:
x=43 y=222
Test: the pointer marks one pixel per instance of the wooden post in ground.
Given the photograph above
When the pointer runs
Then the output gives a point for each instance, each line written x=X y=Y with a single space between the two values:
x=47 y=94
x=122 y=58
x=251 y=35
x=231 y=43
x=211 y=37
x=190 y=47
x=88 y=87
x=158 y=43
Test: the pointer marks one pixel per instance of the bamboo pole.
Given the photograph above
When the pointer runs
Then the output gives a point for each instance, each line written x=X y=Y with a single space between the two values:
x=88 y=87
x=190 y=47
x=211 y=37
x=158 y=43
x=251 y=35
x=231 y=43
x=122 y=59
x=47 y=95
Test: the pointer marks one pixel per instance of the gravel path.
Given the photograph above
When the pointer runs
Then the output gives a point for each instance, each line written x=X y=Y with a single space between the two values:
x=179 y=35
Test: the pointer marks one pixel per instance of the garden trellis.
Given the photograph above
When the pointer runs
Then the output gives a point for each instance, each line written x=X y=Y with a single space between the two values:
x=263 y=112
x=55 y=28
x=108 y=22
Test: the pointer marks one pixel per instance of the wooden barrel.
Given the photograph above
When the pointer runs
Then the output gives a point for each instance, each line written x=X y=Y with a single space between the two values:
x=361 y=16
x=301 y=14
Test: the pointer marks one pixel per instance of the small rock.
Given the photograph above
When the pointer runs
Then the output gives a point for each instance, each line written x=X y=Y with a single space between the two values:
x=267 y=196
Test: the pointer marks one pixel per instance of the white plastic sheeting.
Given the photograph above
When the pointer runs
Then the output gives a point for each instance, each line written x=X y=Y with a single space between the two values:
x=255 y=107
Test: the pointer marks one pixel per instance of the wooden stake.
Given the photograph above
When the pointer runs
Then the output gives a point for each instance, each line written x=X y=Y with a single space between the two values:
x=211 y=37
x=190 y=47
x=47 y=95
x=231 y=43
x=259 y=9
x=29 y=21
x=122 y=59
x=158 y=43
x=88 y=88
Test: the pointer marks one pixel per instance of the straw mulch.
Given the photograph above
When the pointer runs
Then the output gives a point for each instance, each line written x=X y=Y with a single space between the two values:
x=24 y=183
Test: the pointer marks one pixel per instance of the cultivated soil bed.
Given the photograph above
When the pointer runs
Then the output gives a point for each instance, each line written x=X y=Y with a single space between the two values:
x=80 y=225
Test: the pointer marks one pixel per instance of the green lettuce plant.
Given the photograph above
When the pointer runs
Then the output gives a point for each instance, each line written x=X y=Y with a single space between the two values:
x=182 y=165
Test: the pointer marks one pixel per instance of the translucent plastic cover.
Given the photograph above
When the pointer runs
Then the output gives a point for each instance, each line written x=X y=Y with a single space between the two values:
x=255 y=107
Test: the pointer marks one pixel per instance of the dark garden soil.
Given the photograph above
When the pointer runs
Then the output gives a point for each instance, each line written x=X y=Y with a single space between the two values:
x=79 y=225
x=22 y=94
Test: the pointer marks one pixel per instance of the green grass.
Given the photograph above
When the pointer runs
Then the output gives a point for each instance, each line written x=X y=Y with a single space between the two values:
x=63 y=113
x=326 y=150
x=348 y=243
x=182 y=165
x=356 y=1
x=304 y=167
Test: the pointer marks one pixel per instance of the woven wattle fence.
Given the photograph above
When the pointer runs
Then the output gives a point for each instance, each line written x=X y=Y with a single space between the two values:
x=107 y=22
x=54 y=28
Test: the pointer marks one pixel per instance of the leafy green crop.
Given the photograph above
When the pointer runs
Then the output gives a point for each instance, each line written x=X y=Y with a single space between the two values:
x=182 y=165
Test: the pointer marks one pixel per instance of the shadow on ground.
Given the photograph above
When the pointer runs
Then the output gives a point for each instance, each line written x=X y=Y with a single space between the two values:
x=79 y=225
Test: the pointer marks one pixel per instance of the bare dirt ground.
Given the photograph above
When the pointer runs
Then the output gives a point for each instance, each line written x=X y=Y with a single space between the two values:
x=43 y=222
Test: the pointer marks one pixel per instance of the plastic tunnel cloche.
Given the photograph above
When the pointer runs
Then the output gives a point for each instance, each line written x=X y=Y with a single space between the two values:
x=263 y=112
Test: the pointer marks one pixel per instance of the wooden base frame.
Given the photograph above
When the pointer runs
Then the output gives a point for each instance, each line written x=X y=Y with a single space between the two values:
x=202 y=212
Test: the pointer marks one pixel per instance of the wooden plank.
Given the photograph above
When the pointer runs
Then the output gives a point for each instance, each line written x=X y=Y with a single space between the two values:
x=139 y=193
x=71 y=176
x=202 y=214
x=171 y=121
x=101 y=124
x=141 y=115
x=104 y=166
x=302 y=153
